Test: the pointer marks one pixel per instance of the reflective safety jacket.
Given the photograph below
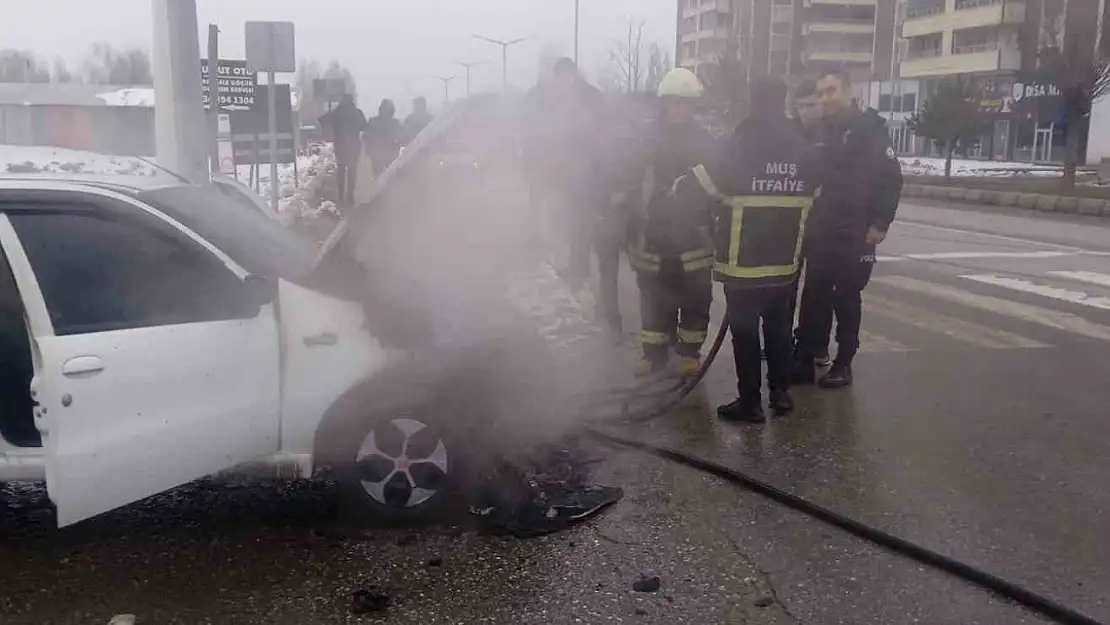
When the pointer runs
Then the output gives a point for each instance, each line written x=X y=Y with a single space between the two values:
x=762 y=188
x=672 y=227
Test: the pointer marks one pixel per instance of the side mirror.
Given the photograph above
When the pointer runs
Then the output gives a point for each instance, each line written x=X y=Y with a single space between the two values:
x=261 y=289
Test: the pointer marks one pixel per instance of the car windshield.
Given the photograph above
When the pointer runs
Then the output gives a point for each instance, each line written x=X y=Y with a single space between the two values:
x=257 y=242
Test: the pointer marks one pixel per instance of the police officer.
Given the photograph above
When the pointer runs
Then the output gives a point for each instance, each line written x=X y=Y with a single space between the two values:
x=861 y=185
x=673 y=251
x=763 y=190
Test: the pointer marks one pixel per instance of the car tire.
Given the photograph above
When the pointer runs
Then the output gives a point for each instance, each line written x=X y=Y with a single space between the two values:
x=390 y=449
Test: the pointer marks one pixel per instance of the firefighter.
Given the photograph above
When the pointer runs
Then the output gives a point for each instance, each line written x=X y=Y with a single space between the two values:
x=761 y=188
x=673 y=251
x=862 y=186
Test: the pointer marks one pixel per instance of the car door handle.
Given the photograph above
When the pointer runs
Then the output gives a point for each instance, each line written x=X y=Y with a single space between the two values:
x=82 y=365
x=324 y=338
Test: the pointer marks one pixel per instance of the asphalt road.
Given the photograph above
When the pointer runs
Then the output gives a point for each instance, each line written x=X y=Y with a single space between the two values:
x=976 y=427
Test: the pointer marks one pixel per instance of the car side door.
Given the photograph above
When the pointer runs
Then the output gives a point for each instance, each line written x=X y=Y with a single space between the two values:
x=155 y=361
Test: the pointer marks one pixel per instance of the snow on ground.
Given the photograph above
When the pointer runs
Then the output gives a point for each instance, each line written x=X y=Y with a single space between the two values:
x=928 y=166
x=299 y=196
x=133 y=96
x=22 y=159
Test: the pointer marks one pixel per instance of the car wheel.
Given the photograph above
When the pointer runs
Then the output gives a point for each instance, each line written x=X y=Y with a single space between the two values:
x=392 y=444
x=399 y=469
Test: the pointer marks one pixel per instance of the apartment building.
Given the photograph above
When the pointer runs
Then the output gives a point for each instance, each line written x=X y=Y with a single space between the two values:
x=790 y=37
x=704 y=30
x=996 y=44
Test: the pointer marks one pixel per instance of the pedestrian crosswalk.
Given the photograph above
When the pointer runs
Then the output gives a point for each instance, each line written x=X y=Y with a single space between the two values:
x=974 y=334
x=985 y=311
x=903 y=313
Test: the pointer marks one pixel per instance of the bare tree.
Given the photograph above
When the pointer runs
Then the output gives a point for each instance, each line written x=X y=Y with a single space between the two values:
x=726 y=81
x=659 y=63
x=1067 y=50
x=625 y=72
x=307 y=72
x=61 y=73
x=950 y=117
x=22 y=66
x=106 y=65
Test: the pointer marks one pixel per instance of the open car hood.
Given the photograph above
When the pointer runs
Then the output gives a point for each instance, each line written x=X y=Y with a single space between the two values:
x=400 y=251
x=408 y=171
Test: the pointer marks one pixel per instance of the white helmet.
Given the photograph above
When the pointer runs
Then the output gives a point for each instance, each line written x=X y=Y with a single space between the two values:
x=680 y=83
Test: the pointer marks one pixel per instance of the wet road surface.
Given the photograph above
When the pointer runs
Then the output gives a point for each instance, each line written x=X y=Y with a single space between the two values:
x=976 y=427
x=255 y=553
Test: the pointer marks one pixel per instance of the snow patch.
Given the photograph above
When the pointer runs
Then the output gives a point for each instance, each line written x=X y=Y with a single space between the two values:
x=22 y=159
x=929 y=166
x=298 y=195
x=132 y=96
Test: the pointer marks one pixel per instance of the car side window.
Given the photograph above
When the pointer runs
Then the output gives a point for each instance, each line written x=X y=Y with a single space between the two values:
x=101 y=271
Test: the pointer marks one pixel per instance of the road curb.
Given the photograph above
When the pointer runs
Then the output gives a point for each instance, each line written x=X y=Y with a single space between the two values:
x=1027 y=201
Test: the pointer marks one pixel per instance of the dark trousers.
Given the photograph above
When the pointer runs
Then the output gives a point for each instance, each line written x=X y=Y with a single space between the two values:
x=674 y=308
x=608 y=268
x=833 y=287
x=747 y=311
x=346 y=175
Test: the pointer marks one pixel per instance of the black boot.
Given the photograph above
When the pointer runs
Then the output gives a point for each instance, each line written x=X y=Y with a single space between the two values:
x=839 y=376
x=802 y=371
x=781 y=402
x=744 y=410
x=822 y=359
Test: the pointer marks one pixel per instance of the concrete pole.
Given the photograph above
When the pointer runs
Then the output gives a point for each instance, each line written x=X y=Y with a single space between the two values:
x=271 y=84
x=213 y=97
x=178 y=111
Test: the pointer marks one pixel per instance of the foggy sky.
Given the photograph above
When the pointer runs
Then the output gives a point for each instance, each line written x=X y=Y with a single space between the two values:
x=393 y=47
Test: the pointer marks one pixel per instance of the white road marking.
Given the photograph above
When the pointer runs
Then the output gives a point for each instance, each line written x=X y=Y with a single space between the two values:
x=1050 y=318
x=872 y=343
x=958 y=329
x=1089 y=277
x=1065 y=295
x=999 y=237
x=968 y=255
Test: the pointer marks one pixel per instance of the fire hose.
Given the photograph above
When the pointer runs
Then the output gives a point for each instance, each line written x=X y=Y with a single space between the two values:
x=672 y=396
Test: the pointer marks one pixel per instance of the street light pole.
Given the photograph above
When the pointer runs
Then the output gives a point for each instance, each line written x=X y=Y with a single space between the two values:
x=467 y=66
x=504 y=56
x=446 y=88
x=576 y=3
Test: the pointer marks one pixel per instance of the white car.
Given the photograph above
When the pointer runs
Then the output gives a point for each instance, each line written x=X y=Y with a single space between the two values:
x=155 y=334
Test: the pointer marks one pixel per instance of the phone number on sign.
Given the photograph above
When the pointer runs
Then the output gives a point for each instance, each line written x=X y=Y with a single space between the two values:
x=236 y=100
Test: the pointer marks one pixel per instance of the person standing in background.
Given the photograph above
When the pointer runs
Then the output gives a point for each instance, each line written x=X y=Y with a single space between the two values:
x=345 y=122
x=561 y=125
x=383 y=137
x=418 y=120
